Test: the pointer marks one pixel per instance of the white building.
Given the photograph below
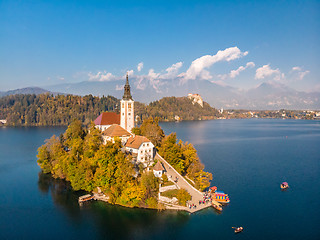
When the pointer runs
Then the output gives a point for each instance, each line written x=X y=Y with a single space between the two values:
x=106 y=120
x=115 y=131
x=158 y=169
x=141 y=148
x=126 y=117
x=127 y=109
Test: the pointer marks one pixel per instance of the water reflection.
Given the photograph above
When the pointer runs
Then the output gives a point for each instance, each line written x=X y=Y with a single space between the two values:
x=110 y=221
x=61 y=193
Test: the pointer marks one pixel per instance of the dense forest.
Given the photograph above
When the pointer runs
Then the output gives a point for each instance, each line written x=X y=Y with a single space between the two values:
x=49 y=110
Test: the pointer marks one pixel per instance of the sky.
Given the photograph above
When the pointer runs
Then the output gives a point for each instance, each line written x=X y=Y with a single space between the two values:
x=236 y=43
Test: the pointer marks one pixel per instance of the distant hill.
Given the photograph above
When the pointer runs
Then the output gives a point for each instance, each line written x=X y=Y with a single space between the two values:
x=173 y=108
x=48 y=110
x=267 y=96
x=27 y=90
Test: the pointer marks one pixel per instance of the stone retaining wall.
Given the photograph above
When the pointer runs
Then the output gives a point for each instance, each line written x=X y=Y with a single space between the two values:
x=171 y=187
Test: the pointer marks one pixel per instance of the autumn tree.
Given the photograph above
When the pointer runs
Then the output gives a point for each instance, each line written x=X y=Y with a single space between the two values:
x=183 y=196
x=150 y=128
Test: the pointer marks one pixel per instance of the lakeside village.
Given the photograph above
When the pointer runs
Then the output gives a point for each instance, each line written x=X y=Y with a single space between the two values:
x=130 y=166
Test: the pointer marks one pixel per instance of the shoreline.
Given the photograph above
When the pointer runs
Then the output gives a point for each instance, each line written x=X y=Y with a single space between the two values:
x=167 y=121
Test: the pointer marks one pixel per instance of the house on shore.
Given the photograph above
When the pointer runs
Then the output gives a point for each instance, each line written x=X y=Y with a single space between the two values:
x=142 y=149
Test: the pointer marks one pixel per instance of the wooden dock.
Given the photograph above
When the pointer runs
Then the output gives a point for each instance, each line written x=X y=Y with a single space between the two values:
x=94 y=196
x=85 y=198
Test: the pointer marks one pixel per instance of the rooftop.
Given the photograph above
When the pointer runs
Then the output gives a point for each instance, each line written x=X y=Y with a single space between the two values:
x=136 y=141
x=116 y=131
x=107 y=118
x=159 y=167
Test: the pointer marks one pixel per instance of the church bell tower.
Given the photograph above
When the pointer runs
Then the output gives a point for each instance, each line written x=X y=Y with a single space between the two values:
x=127 y=108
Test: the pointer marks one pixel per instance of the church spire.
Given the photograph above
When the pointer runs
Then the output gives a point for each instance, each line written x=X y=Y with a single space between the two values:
x=127 y=94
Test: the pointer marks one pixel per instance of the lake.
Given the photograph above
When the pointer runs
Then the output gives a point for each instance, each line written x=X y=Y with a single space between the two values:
x=248 y=158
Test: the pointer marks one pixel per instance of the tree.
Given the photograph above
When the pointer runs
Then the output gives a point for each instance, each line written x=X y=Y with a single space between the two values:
x=150 y=128
x=203 y=179
x=150 y=183
x=73 y=131
x=92 y=141
x=172 y=152
x=183 y=196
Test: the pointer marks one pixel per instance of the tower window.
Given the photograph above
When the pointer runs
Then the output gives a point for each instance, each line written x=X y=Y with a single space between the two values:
x=122 y=105
x=129 y=105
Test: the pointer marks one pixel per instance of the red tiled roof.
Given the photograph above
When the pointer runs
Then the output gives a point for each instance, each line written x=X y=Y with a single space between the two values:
x=158 y=166
x=107 y=118
x=135 y=142
x=116 y=131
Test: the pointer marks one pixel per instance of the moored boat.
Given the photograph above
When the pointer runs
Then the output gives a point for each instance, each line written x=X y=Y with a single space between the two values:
x=220 y=196
x=238 y=229
x=217 y=207
x=284 y=185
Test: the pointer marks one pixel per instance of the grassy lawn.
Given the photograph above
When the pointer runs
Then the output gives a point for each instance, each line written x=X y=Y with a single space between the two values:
x=169 y=183
x=170 y=193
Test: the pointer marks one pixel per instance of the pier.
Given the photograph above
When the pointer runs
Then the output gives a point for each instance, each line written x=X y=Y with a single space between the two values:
x=196 y=195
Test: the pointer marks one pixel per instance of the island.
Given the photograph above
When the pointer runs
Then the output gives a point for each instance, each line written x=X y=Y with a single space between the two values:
x=115 y=161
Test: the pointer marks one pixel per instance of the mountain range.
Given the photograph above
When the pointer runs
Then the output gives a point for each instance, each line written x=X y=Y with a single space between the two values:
x=27 y=90
x=267 y=96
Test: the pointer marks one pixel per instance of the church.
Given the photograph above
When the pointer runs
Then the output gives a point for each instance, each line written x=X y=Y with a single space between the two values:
x=114 y=125
x=126 y=117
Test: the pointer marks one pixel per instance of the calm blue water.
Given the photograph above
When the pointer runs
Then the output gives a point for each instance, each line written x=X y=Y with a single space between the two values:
x=248 y=158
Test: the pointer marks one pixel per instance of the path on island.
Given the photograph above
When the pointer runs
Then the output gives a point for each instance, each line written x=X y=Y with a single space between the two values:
x=182 y=183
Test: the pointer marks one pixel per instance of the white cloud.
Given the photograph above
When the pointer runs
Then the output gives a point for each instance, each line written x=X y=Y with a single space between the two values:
x=140 y=66
x=236 y=72
x=198 y=67
x=130 y=73
x=266 y=71
x=60 y=78
x=152 y=74
x=101 y=76
x=172 y=71
x=301 y=74
x=279 y=77
x=296 y=69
